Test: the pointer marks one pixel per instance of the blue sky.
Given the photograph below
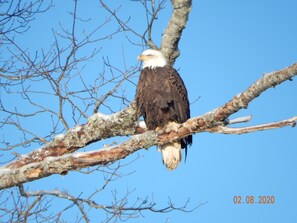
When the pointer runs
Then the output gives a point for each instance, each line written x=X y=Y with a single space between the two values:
x=226 y=46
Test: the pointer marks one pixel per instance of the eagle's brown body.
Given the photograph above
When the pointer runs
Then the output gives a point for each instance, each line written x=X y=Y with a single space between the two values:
x=161 y=98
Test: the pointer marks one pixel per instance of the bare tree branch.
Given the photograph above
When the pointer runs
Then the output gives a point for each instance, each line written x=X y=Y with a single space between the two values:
x=119 y=207
x=239 y=120
x=174 y=28
x=267 y=126
x=50 y=159
x=56 y=70
x=98 y=127
x=16 y=15
x=53 y=74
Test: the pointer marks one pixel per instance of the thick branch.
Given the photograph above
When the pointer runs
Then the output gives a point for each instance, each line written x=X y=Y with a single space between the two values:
x=50 y=159
x=243 y=99
x=174 y=28
x=63 y=164
x=98 y=127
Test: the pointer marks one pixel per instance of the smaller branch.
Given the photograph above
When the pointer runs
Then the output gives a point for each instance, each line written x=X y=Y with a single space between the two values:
x=105 y=96
x=123 y=24
x=151 y=16
x=23 y=143
x=76 y=200
x=244 y=130
x=16 y=77
x=117 y=209
x=31 y=206
x=239 y=120
x=16 y=16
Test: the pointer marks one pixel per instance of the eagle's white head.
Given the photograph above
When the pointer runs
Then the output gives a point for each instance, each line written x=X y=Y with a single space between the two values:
x=152 y=59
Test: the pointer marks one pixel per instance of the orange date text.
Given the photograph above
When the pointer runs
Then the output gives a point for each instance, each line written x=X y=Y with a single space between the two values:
x=270 y=199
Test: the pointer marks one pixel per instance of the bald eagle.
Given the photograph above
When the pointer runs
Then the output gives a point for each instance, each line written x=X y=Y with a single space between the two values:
x=162 y=100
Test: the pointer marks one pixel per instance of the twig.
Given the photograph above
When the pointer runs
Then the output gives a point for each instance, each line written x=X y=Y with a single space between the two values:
x=267 y=126
x=239 y=120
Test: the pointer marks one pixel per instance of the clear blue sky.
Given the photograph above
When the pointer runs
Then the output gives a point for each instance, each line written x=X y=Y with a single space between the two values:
x=226 y=46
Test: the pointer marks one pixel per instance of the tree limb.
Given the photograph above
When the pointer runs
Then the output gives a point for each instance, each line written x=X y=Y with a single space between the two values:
x=54 y=158
x=174 y=28
x=244 y=130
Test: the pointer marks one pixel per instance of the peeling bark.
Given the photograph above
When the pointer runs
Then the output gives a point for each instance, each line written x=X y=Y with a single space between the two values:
x=98 y=127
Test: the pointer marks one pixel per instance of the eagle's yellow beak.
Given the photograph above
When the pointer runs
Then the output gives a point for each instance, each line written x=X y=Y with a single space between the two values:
x=139 y=57
x=142 y=57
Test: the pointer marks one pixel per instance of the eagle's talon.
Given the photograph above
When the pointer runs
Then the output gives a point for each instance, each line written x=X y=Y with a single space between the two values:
x=172 y=126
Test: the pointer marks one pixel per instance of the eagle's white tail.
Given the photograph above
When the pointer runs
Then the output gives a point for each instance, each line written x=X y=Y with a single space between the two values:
x=171 y=154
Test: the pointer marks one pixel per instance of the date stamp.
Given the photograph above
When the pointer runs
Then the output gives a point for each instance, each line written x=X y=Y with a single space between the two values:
x=266 y=200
